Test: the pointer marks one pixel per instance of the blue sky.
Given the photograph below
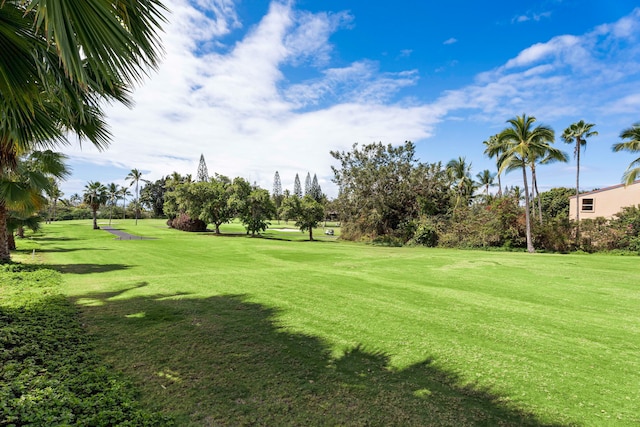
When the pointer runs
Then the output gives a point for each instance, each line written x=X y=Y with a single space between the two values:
x=258 y=86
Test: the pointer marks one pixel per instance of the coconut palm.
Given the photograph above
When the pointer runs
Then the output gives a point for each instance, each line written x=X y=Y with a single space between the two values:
x=459 y=172
x=493 y=149
x=95 y=195
x=135 y=176
x=578 y=133
x=54 y=194
x=633 y=145
x=124 y=193
x=520 y=142
x=60 y=61
x=486 y=179
x=113 y=190
x=544 y=154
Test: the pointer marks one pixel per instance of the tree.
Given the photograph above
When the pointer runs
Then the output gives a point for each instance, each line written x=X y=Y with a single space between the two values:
x=135 y=176
x=543 y=154
x=486 y=179
x=382 y=189
x=60 y=61
x=632 y=145
x=112 y=198
x=493 y=149
x=307 y=184
x=460 y=173
x=306 y=212
x=203 y=172
x=207 y=201
x=578 y=133
x=54 y=194
x=256 y=210
x=276 y=194
x=519 y=145
x=316 y=191
x=124 y=193
x=95 y=195
x=297 y=189
x=152 y=196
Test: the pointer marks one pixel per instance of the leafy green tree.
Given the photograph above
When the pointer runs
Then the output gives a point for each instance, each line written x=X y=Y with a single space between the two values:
x=152 y=196
x=577 y=133
x=520 y=144
x=255 y=210
x=306 y=212
x=135 y=176
x=383 y=188
x=632 y=145
x=95 y=195
x=207 y=201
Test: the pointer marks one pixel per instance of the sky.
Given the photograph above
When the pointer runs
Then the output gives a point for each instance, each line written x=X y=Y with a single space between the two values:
x=262 y=86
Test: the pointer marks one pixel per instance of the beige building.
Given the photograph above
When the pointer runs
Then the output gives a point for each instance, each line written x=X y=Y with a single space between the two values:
x=605 y=202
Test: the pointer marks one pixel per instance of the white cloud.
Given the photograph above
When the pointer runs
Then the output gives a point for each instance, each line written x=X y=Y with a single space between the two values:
x=530 y=16
x=450 y=41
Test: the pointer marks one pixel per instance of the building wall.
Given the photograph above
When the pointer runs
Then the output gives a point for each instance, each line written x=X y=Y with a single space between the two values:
x=605 y=202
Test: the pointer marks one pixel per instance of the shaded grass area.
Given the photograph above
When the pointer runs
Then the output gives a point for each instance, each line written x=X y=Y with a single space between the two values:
x=49 y=374
x=224 y=361
x=550 y=335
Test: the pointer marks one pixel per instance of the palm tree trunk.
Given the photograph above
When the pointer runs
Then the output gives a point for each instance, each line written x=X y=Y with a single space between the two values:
x=137 y=202
x=95 y=218
x=4 y=235
x=527 y=217
x=499 y=186
x=124 y=207
x=578 y=191
x=534 y=182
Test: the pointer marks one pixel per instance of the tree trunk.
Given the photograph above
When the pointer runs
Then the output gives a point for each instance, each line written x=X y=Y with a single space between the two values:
x=95 y=219
x=11 y=242
x=217 y=228
x=4 y=235
x=137 y=202
x=578 y=192
x=499 y=186
x=527 y=217
x=20 y=232
x=536 y=193
x=311 y=233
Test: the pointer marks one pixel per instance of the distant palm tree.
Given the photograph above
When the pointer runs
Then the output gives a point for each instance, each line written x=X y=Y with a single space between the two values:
x=95 y=195
x=578 y=132
x=135 y=176
x=113 y=190
x=633 y=145
x=460 y=173
x=519 y=144
x=493 y=149
x=124 y=192
x=486 y=179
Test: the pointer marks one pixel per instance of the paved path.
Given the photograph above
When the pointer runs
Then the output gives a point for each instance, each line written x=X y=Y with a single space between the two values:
x=122 y=235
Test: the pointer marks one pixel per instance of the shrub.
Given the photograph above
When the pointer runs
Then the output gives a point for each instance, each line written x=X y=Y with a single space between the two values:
x=185 y=223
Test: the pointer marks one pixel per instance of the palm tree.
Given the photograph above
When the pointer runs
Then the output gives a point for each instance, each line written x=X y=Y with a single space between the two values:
x=633 y=145
x=460 y=174
x=95 y=195
x=520 y=143
x=578 y=133
x=22 y=188
x=544 y=154
x=135 y=176
x=60 y=62
x=486 y=179
x=493 y=149
x=54 y=194
x=124 y=192
x=113 y=190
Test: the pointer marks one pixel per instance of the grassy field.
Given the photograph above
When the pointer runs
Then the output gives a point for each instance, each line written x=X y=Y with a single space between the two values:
x=231 y=330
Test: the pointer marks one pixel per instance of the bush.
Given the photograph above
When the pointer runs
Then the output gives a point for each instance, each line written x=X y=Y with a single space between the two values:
x=426 y=234
x=185 y=223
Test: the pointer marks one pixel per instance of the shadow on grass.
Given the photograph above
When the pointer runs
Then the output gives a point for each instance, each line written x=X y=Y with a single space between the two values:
x=224 y=361
x=86 y=268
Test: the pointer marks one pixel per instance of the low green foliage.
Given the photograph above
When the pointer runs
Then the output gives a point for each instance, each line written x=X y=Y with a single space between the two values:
x=49 y=374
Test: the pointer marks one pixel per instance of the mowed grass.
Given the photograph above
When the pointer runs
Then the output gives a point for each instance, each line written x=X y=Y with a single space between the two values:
x=232 y=330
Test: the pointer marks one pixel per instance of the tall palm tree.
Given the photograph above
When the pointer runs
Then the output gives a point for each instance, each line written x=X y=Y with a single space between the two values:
x=544 y=154
x=633 y=145
x=493 y=149
x=60 y=61
x=95 y=195
x=578 y=133
x=135 y=176
x=113 y=190
x=520 y=142
x=486 y=179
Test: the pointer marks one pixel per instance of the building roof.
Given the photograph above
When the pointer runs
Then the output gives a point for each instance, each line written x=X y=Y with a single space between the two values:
x=600 y=190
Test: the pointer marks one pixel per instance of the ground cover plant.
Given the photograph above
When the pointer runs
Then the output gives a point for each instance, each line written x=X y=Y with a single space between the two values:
x=49 y=374
x=236 y=330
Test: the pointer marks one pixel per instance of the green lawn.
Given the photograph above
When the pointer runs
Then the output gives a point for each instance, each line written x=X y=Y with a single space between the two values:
x=231 y=330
